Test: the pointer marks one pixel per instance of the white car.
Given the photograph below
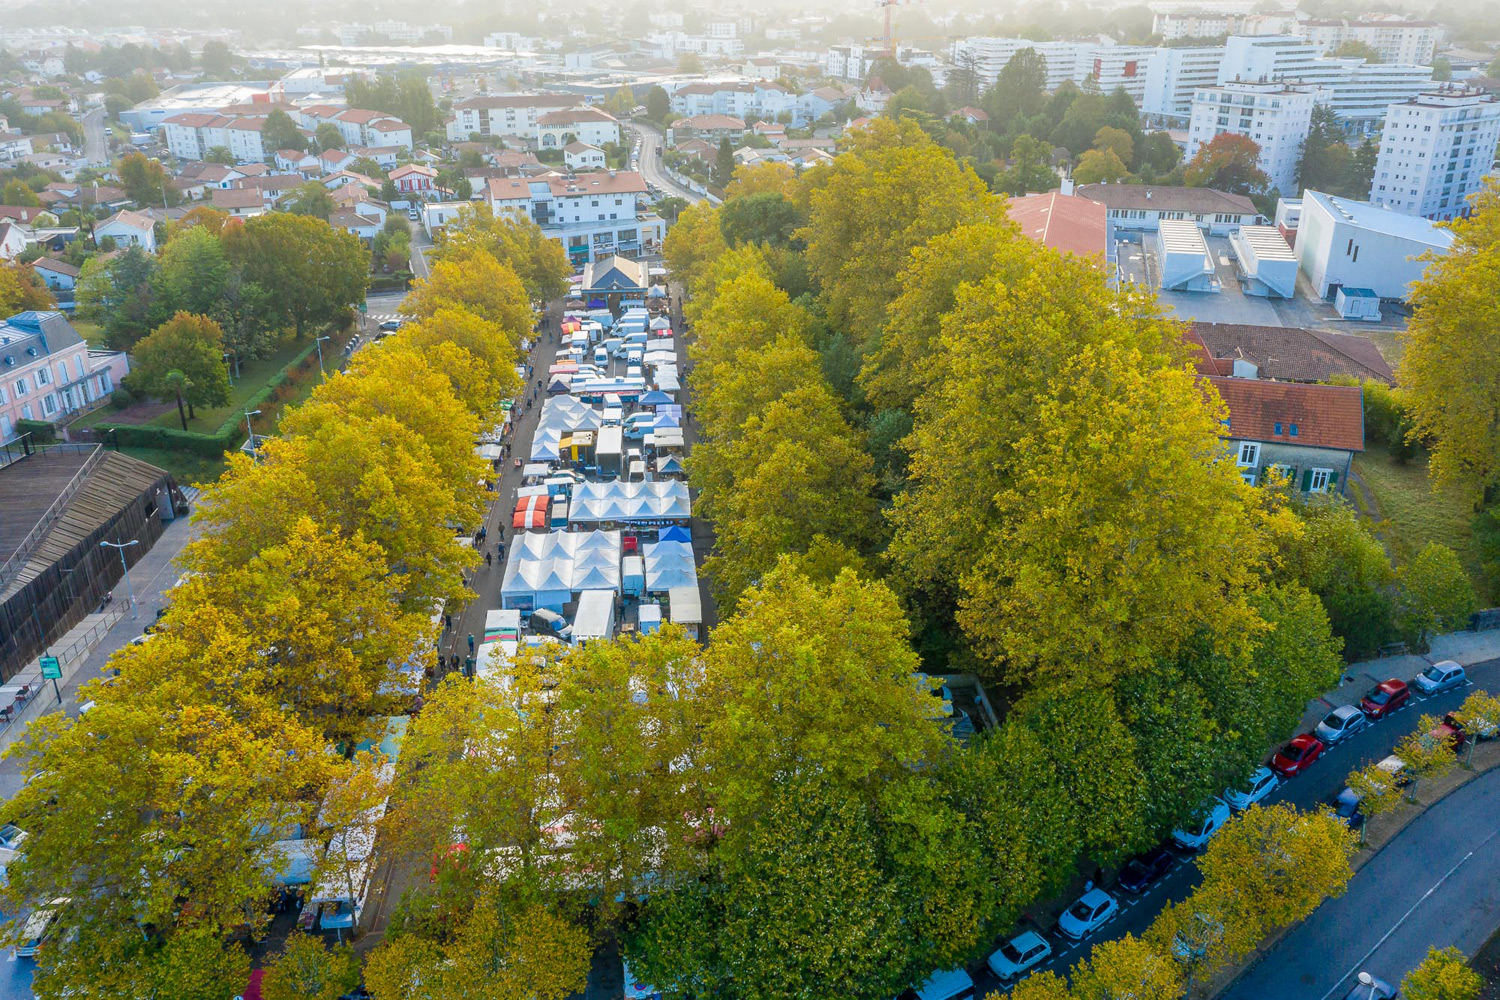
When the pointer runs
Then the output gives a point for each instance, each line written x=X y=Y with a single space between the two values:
x=1093 y=910
x=11 y=836
x=1341 y=722
x=1441 y=676
x=1212 y=819
x=1024 y=951
x=1262 y=783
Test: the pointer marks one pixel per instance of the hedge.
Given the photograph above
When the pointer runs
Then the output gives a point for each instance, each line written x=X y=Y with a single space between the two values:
x=41 y=431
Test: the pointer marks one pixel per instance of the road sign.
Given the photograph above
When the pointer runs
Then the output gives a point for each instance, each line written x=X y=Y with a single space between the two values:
x=51 y=668
x=364 y=307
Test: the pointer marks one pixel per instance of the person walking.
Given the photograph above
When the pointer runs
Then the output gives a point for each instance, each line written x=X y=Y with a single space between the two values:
x=471 y=644
x=488 y=559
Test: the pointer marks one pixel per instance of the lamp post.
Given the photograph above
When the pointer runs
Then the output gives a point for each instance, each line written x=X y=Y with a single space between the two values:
x=249 y=429
x=228 y=369
x=321 y=370
x=129 y=593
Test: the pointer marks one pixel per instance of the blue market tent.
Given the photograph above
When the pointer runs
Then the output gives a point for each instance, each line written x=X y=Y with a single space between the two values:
x=676 y=533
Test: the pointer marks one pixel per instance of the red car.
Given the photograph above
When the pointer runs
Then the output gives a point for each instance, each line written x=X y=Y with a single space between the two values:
x=1384 y=698
x=1451 y=731
x=1296 y=755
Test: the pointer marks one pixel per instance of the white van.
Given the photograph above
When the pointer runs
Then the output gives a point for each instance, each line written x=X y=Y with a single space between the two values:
x=636 y=990
x=953 y=984
x=38 y=928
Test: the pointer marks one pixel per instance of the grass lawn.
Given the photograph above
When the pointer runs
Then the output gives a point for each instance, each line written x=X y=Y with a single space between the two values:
x=92 y=332
x=253 y=377
x=188 y=469
x=1413 y=513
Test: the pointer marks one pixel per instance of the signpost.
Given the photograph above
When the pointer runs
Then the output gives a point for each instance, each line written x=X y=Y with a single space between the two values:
x=52 y=669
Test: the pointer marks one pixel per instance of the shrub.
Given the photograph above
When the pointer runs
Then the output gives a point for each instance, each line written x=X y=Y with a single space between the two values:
x=121 y=398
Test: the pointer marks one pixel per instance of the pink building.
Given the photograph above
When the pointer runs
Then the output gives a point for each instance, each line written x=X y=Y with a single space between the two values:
x=47 y=370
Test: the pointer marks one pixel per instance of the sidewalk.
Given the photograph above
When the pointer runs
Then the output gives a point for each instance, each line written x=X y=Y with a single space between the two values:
x=94 y=640
x=1468 y=648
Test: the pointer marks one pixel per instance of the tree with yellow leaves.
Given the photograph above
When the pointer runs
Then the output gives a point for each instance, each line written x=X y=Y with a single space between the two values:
x=1127 y=966
x=514 y=240
x=763 y=178
x=744 y=314
x=692 y=244
x=1448 y=368
x=890 y=192
x=476 y=282
x=497 y=347
x=1424 y=754
x=1443 y=975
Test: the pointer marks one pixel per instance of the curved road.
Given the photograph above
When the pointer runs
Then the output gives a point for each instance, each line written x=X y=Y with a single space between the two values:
x=95 y=146
x=1437 y=883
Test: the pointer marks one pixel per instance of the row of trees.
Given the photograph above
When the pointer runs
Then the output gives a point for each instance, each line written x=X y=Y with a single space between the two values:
x=272 y=273
x=157 y=812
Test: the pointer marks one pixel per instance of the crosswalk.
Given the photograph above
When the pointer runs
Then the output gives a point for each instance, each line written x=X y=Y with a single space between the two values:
x=383 y=317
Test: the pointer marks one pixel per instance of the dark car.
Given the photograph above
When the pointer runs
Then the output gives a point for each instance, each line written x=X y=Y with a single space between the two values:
x=1384 y=698
x=1297 y=755
x=1346 y=807
x=1143 y=869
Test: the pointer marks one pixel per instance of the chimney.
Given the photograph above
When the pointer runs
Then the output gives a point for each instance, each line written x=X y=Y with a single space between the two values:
x=1067 y=185
x=1148 y=194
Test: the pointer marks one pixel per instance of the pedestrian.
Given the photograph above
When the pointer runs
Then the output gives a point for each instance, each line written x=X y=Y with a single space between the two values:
x=471 y=642
x=500 y=550
x=447 y=620
x=487 y=559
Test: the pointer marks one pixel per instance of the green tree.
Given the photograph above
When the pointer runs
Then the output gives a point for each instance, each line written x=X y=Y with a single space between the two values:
x=193 y=273
x=1425 y=755
x=328 y=136
x=133 y=311
x=1228 y=162
x=1447 y=365
x=1031 y=167
x=1442 y=69
x=1355 y=49
x=1160 y=153
x=183 y=359
x=312 y=269
x=1020 y=91
x=1435 y=594
x=1333 y=553
x=1443 y=975
x=220 y=154
x=658 y=104
x=539 y=261
x=145 y=181
x=1117 y=140
x=1361 y=172
x=17 y=192
x=723 y=168
x=216 y=60
x=311 y=199
x=280 y=132
x=1100 y=166
x=1325 y=155
x=307 y=969
x=768 y=217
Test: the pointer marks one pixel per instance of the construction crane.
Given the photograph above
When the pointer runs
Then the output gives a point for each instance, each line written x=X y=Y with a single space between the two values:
x=890 y=44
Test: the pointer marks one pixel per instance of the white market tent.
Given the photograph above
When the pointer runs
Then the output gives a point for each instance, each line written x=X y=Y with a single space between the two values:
x=595 y=618
x=544 y=570
x=630 y=503
x=292 y=862
x=669 y=565
x=685 y=606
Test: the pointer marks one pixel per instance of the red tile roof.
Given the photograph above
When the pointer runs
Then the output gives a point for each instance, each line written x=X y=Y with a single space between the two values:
x=1286 y=353
x=1062 y=222
x=1327 y=416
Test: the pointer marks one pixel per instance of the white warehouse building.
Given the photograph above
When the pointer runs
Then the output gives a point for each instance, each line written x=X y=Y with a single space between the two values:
x=1347 y=245
x=1266 y=263
x=1435 y=151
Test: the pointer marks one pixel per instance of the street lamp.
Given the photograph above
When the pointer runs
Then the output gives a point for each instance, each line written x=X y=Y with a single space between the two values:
x=228 y=369
x=321 y=370
x=254 y=455
x=129 y=593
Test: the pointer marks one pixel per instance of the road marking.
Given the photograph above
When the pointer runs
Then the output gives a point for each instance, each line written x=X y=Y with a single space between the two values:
x=1397 y=925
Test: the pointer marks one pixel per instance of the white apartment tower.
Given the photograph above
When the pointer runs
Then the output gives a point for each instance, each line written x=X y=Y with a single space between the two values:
x=1174 y=75
x=1361 y=91
x=1435 y=151
x=1275 y=115
x=1396 y=40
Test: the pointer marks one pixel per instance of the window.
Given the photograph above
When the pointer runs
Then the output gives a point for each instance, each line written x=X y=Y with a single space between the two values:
x=49 y=404
x=1294 y=430
x=1283 y=471
x=1278 y=428
x=43 y=377
x=1249 y=453
x=1318 y=480
x=21 y=387
x=1248 y=475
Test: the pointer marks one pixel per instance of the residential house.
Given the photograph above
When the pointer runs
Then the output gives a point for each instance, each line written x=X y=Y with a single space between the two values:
x=1308 y=434
x=972 y=115
x=1285 y=353
x=39 y=106
x=512 y=164
x=272 y=187
x=747 y=156
x=59 y=142
x=1141 y=207
x=816 y=103
x=699 y=149
x=556 y=129
x=358 y=126
x=241 y=203
x=26 y=215
x=582 y=156
x=296 y=161
x=773 y=132
x=348 y=178
x=355 y=197
x=872 y=98
x=331 y=161
x=128 y=229
x=509 y=114
x=709 y=128
x=385 y=157
x=350 y=221
x=211 y=175
x=414 y=180
x=59 y=275
x=14 y=146
x=47 y=370
x=12 y=240
x=589 y=214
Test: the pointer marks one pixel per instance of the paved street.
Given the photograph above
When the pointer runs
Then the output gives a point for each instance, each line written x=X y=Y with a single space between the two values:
x=1324 y=779
x=1437 y=883
x=95 y=146
x=651 y=164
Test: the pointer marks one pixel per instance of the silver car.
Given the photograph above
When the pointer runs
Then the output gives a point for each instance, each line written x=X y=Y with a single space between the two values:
x=1341 y=722
x=1441 y=676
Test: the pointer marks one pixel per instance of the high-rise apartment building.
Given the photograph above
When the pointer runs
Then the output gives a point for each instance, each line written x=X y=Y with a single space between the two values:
x=1435 y=151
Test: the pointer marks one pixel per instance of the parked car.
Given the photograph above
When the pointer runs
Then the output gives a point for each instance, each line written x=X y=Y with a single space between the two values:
x=1480 y=729
x=544 y=618
x=391 y=324
x=1342 y=722
x=1368 y=987
x=1262 y=783
x=1452 y=733
x=1295 y=757
x=1384 y=698
x=11 y=836
x=1091 y=911
x=1145 y=868
x=38 y=928
x=1207 y=823
x=1441 y=676
x=1022 y=952
x=1346 y=807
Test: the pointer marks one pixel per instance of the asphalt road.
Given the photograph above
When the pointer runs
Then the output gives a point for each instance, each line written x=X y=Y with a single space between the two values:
x=651 y=164
x=1436 y=884
x=95 y=146
x=1379 y=907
